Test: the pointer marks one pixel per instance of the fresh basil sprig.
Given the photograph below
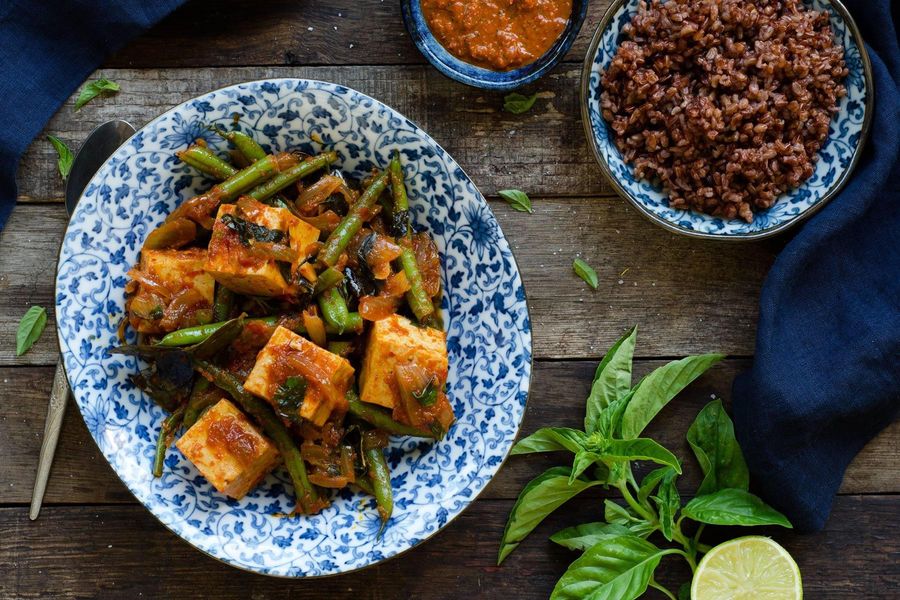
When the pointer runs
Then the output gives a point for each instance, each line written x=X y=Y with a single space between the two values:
x=618 y=561
x=94 y=89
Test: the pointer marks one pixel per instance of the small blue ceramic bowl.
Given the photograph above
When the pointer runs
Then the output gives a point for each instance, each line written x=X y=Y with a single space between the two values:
x=486 y=79
x=837 y=157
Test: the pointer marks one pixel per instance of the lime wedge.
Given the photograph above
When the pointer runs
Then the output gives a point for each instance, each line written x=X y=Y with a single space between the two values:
x=747 y=568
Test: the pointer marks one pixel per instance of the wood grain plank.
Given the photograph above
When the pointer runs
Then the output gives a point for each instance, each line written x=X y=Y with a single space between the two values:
x=855 y=557
x=688 y=297
x=290 y=32
x=543 y=152
x=81 y=475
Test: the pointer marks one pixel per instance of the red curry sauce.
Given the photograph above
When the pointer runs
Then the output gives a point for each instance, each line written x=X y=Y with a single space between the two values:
x=499 y=35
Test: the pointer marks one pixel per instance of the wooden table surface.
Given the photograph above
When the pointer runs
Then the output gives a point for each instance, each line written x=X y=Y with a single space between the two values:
x=93 y=540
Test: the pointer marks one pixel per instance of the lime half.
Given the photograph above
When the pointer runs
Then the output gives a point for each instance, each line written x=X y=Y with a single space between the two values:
x=748 y=568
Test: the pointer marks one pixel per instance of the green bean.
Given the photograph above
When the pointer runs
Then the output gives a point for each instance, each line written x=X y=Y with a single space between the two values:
x=417 y=297
x=339 y=347
x=307 y=496
x=198 y=402
x=354 y=323
x=381 y=419
x=350 y=225
x=165 y=438
x=365 y=484
x=288 y=176
x=245 y=179
x=223 y=304
x=381 y=482
x=398 y=188
x=206 y=161
x=328 y=278
x=199 y=333
x=246 y=145
x=334 y=309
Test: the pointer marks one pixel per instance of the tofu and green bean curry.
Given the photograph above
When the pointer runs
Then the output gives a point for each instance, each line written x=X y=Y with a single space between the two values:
x=287 y=316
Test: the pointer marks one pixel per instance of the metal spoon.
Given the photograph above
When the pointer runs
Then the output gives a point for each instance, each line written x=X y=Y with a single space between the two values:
x=99 y=145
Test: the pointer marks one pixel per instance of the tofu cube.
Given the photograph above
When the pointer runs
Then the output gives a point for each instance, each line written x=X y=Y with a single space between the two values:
x=394 y=341
x=274 y=365
x=232 y=264
x=176 y=271
x=228 y=450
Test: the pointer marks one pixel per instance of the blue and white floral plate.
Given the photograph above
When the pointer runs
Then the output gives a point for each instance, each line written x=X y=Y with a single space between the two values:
x=837 y=158
x=489 y=331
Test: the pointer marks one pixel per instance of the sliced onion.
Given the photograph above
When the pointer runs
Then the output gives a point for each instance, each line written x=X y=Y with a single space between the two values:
x=376 y=308
x=315 y=326
x=154 y=285
x=326 y=222
x=429 y=262
x=396 y=285
x=317 y=193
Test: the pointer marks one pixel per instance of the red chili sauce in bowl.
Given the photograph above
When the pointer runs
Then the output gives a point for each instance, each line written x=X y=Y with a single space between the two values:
x=499 y=35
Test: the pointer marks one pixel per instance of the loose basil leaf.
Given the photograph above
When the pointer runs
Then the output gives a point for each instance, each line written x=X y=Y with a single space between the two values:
x=543 y=494
x=619 y=515
x=582 y=461
x=66 y=158
x=586 y=272
x=612 y=379
x=733 y=507
x=550 y=439
x=618 y=568
x=684 y=592
x=712 y=438
x=30 y=328
x=248 y=230
x=659 y=387
x=638 y=449
x=289 y=398
x=668 y=501
x=94 y=89
x=581 y=537
x=649 y=483
x=517 y=104
x=517 y=199
x=428 y=395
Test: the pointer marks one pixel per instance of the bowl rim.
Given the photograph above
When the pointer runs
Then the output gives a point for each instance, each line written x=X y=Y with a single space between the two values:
x=242 y=567
x=481 y=78
x=833 y=191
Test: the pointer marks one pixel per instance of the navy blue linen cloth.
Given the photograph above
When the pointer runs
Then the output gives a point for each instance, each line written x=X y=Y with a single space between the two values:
x=826 y=377
x=47 y=49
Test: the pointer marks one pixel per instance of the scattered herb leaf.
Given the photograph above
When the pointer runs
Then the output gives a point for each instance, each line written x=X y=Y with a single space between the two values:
x=251 y=231
x=30 y=328
x=517 y=199
x=517 y=103
x=66 y=158
x=94 y=89
x=586 y=272
x=289 y=398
